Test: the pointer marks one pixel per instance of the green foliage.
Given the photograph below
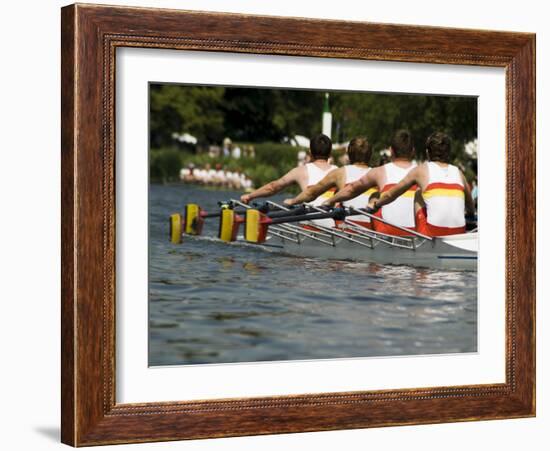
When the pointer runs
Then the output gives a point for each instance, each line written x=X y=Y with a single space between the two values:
x=378 y=115
x=263 y=173
x=250 y=117
x=165 y=165
x=271 y=114
x=264 y=117
x=272 y=161
x=275 y=154
x=197 y=110
x=251 y=114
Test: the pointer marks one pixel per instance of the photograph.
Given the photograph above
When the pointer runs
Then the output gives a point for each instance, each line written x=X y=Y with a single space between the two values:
x=270 y=225
x=290 y=224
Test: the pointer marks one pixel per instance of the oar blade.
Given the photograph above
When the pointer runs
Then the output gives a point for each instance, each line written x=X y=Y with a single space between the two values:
x=229 y=225
x=193 y=219
x=176 y=228
x=255 y=229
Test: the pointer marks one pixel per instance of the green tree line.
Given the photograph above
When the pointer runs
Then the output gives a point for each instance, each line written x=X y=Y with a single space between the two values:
x=258 y=114
x=262 y=115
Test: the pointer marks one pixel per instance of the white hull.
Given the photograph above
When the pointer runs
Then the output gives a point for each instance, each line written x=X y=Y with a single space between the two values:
x=458 y=252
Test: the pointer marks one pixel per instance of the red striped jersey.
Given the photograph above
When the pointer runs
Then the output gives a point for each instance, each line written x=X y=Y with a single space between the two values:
x=444 y=198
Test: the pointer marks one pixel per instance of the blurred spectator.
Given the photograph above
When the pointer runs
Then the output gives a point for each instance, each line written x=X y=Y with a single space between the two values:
x=236 y=152
x=214 y=151
x=187 y=174
x=226 y=147
x=219 y=176
x=249 y=151
x=209 y=174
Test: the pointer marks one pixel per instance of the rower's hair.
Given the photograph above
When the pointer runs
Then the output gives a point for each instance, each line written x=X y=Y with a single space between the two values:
x=438 y=145
x=320 y=147
x=359 y=150
x=402 y=144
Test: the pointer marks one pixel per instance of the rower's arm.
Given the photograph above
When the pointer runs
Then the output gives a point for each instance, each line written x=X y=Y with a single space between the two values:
x=468 y=199
x=273 y=187
x=353 y=189
x=389 y=196
x=314 y=191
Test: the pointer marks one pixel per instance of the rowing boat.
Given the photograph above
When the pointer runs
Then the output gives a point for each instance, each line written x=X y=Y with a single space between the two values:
x=295 y=232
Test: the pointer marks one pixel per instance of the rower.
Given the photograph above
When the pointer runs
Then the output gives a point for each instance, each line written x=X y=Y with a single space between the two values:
x=359 y=153
x=445 y=193
x=304 y=176
x=401 y=212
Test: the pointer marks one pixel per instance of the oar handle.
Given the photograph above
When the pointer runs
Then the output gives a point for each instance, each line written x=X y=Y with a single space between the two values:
x=300 y=210
x=271 y=208
x=336 y=213
x=264 y=208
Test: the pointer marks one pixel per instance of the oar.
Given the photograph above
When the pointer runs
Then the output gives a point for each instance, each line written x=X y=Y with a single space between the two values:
x=230 y=220
x=257 y=224
x=264 y=208
x=337 y=213
x=223 y=205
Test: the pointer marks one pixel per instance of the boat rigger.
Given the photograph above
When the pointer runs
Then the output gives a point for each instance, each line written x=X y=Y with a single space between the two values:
x=296 y=231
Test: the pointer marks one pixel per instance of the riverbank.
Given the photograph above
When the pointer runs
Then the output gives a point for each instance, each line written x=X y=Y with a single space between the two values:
x=270 y=161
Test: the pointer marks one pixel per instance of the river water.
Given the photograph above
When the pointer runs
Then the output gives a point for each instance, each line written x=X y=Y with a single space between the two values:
x=212 y=302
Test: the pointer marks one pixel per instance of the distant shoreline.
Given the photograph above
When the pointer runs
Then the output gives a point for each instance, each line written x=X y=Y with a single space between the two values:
x=204 y=187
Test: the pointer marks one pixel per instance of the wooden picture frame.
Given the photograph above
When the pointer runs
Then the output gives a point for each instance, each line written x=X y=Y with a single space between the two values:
x=90 y=36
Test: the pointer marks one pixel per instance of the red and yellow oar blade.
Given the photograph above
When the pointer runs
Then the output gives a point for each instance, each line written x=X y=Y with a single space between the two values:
x=227 y=225
x=255 y=229
x=193 y=219
x=252 y=225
